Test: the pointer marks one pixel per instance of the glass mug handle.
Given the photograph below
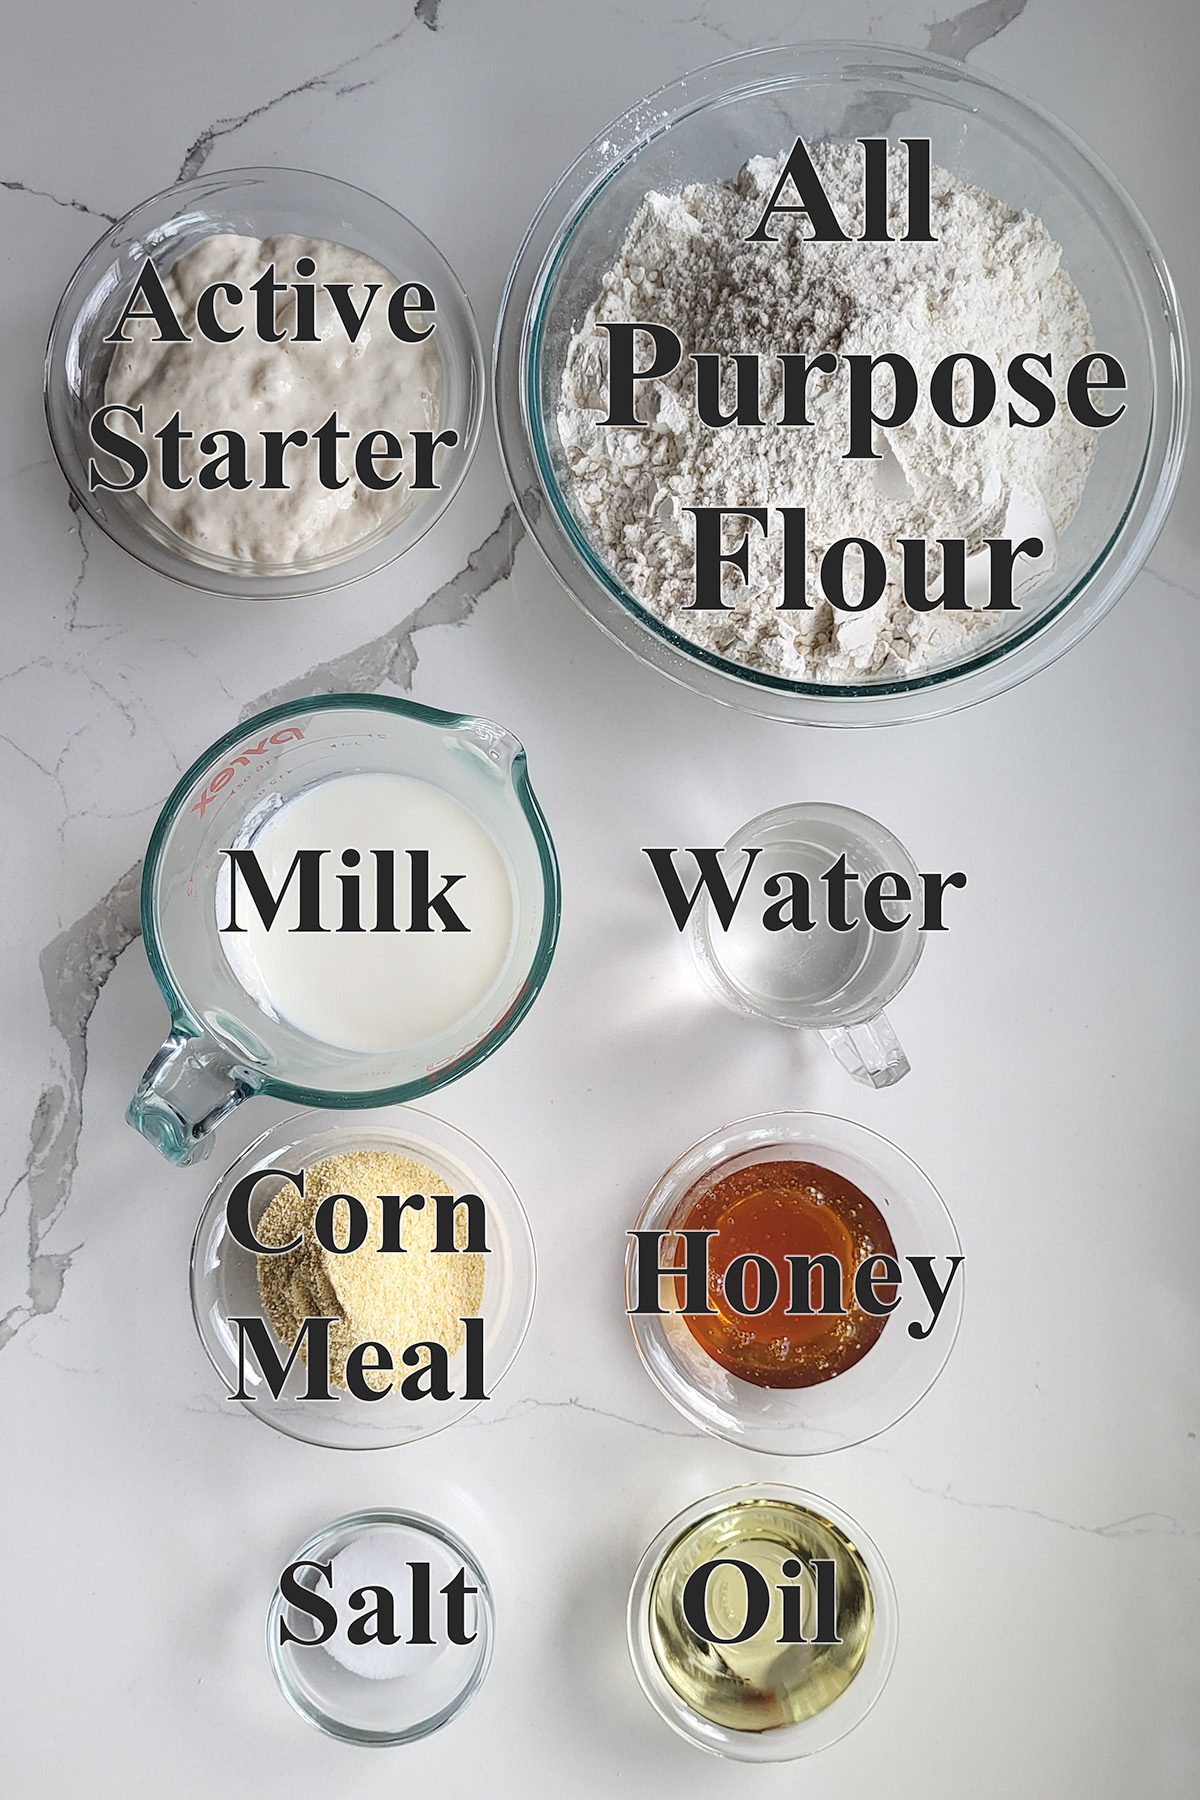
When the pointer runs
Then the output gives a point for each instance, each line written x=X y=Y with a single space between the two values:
x=871 y=1052
x=191 y=1085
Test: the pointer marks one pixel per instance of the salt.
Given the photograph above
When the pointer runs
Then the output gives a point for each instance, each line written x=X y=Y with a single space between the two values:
x=382 y=1559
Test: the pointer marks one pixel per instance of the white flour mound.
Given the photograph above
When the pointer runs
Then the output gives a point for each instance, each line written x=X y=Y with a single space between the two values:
x=991 y=285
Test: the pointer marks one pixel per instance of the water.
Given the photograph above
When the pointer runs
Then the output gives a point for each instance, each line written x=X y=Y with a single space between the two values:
x=817 y=976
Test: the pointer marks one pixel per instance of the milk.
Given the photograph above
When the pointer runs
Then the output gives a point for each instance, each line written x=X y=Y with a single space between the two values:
x=397 y=933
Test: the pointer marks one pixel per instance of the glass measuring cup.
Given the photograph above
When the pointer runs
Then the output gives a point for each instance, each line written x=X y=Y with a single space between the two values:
x=829 y=980
x=224 y=1045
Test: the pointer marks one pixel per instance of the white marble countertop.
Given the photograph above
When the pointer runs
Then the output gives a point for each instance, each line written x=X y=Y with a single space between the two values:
x=1040 y=1510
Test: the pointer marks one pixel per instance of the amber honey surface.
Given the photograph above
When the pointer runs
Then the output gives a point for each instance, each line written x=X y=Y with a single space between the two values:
x=776 y=1210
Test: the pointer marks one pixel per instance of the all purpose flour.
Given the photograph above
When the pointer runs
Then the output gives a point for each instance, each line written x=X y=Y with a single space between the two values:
x=991 y=284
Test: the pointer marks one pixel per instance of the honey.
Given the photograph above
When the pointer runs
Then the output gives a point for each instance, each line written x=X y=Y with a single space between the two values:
x=790 y=1239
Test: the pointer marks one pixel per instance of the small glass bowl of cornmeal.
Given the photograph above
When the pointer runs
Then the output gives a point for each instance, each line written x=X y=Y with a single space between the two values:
x=362 y=1280
x=264 y=383
x=380 y=1628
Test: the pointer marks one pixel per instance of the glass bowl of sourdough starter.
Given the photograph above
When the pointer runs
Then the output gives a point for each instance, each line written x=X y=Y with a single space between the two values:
x=225 y=1278
x=704 y=128
x=258 y=204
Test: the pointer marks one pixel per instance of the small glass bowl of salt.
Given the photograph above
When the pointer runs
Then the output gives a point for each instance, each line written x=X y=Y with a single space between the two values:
x=386 y=1575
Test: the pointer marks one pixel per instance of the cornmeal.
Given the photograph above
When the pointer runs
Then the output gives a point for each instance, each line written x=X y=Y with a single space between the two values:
x=391 y=1298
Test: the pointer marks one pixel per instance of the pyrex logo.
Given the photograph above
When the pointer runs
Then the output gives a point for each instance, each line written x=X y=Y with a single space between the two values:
x=243 y=760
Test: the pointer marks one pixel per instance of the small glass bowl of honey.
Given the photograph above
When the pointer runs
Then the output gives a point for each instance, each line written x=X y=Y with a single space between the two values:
x=794 y=1283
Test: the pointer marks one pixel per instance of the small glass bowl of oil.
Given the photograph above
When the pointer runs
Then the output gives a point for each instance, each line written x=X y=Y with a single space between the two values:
x=762 y=1623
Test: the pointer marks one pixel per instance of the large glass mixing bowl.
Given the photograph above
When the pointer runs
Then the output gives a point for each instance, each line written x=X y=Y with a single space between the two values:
x=704 y=128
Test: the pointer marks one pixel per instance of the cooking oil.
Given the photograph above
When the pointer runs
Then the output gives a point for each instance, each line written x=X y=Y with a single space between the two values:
x=761 y=1614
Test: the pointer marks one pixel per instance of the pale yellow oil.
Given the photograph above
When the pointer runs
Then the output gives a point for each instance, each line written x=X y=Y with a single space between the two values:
x=761 y=1684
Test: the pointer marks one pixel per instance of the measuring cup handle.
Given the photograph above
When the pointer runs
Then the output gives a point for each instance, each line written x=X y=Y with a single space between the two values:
x=871 y=1052
x=185 y=1093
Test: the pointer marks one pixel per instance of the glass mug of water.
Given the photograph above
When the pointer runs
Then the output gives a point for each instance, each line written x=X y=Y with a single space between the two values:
x=799 y=947
x=394 y=983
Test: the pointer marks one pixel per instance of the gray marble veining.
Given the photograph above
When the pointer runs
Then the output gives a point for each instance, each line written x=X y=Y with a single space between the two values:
x=1038 y=1508
x=77 y=963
